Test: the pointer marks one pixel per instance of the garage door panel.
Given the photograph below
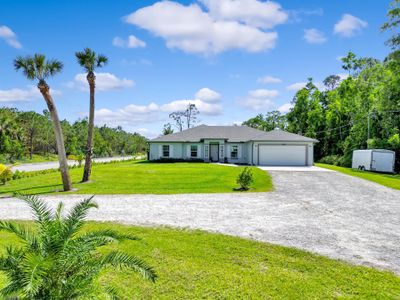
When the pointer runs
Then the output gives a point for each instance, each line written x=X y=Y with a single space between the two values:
x=282 y=155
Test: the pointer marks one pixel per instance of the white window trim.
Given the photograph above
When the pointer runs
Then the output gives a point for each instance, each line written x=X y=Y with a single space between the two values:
x=231 y=150
x=169 y=151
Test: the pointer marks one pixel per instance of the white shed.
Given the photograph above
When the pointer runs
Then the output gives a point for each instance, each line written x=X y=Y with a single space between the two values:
x=378 y=160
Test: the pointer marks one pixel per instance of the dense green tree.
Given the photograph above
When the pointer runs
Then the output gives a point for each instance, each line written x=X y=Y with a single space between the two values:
x=392 y=24
x=271 y=120
x=25 y=133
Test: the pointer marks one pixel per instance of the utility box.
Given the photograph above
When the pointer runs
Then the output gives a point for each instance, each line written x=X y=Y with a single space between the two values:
x=377 y=160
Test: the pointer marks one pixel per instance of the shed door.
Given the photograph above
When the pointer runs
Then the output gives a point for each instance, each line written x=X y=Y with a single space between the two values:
x=282 y=155
x=382 y=161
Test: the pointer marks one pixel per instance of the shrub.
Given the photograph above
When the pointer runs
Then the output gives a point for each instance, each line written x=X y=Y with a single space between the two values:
x=57 y=261
x=330 y=160
x=245 y=179
x=78 y=158
x=5 y=174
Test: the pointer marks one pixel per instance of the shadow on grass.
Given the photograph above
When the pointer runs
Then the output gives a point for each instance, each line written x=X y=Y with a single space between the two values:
x=21 y=190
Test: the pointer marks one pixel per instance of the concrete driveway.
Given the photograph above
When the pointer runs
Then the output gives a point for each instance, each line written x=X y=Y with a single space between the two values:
x=324 y=212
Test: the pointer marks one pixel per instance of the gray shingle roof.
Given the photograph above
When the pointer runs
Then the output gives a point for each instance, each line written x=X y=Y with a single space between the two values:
x=231 y=134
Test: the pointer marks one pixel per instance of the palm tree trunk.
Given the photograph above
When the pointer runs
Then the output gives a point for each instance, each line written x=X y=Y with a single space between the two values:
x=89 y=145
x=62 y=157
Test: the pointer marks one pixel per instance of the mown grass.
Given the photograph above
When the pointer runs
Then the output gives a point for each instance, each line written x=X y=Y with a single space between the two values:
x=392 y=181
x=132 y=177
x=36 y=158
x=200 y=265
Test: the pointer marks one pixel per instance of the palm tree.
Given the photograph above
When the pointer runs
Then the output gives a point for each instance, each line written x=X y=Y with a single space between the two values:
x=56 y=261
x=89 y=60
x=38 y=68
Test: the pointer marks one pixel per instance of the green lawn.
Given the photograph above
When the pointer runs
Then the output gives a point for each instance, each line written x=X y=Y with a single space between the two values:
x=200 y=265
x=36 y=159
x=130 y=177
x=392 y=181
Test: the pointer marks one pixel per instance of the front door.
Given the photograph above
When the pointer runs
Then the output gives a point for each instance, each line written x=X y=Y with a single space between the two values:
x=214 y=149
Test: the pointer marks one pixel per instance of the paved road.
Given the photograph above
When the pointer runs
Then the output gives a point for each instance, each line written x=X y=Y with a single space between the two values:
x=55 y=164
x=324 y=212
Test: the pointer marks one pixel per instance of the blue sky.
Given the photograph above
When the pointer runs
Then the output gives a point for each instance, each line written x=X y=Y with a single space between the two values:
x=233 y=58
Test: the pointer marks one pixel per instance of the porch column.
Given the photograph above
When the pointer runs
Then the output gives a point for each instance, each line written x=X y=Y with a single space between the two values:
x=222 y=154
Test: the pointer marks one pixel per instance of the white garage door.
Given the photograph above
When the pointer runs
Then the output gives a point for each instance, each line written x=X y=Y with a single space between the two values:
x=282 y=155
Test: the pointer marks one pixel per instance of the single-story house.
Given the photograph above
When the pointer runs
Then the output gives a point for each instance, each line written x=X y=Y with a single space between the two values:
x=235 y=144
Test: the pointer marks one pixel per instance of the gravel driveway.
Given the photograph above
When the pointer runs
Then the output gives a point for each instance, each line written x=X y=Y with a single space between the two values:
x=324 y=212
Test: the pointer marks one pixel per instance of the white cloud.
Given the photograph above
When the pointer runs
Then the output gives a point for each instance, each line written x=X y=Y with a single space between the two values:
x=142 y=61
x=193 y=30
x=211 y=109
x=208 y=95
x=20 y=95
x=314 y=36
x=250 y=12
x=132 y=42
x=285 y=108
x=129 y=115
x=299 y=85
x=269 y=79
x=349 y=25
x=296 y=86
x=150 y=134
x=260 y=99
x=104 y=82
x=10 y=37
x=133 y=114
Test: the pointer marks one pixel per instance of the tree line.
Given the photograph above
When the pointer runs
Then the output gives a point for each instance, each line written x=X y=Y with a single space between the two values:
x=359 y=112
x=28 y=133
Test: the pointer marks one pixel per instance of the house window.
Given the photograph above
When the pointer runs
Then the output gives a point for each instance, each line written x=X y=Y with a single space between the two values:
x=193 y=151
x=165 y=150
x=234 y=151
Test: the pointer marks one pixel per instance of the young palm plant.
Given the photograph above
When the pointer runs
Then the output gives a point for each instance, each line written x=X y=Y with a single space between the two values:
x=38 y=68
x=89 y=60
x=56 y=261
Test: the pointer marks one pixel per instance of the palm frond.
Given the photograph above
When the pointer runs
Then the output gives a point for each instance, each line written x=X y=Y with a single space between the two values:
x=101 y=60
x=53 y=67
x=58 y=214
x=10 y=291
x=27 y=66
x=35 y=268
x=120 y=259
x=20 y=231
x=112 y=292
x=75 y=218
x=39 y=63
x=89 y=60
x=40 y=210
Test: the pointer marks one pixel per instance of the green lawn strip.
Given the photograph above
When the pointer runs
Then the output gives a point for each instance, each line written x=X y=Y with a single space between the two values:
x=130 y=177
x=392 y=181
x=196 y=264
x=36 y=159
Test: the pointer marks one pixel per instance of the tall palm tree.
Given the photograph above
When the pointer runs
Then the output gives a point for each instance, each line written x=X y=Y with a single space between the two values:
x=89 y=60
x=56 y=261
x=38 y=68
